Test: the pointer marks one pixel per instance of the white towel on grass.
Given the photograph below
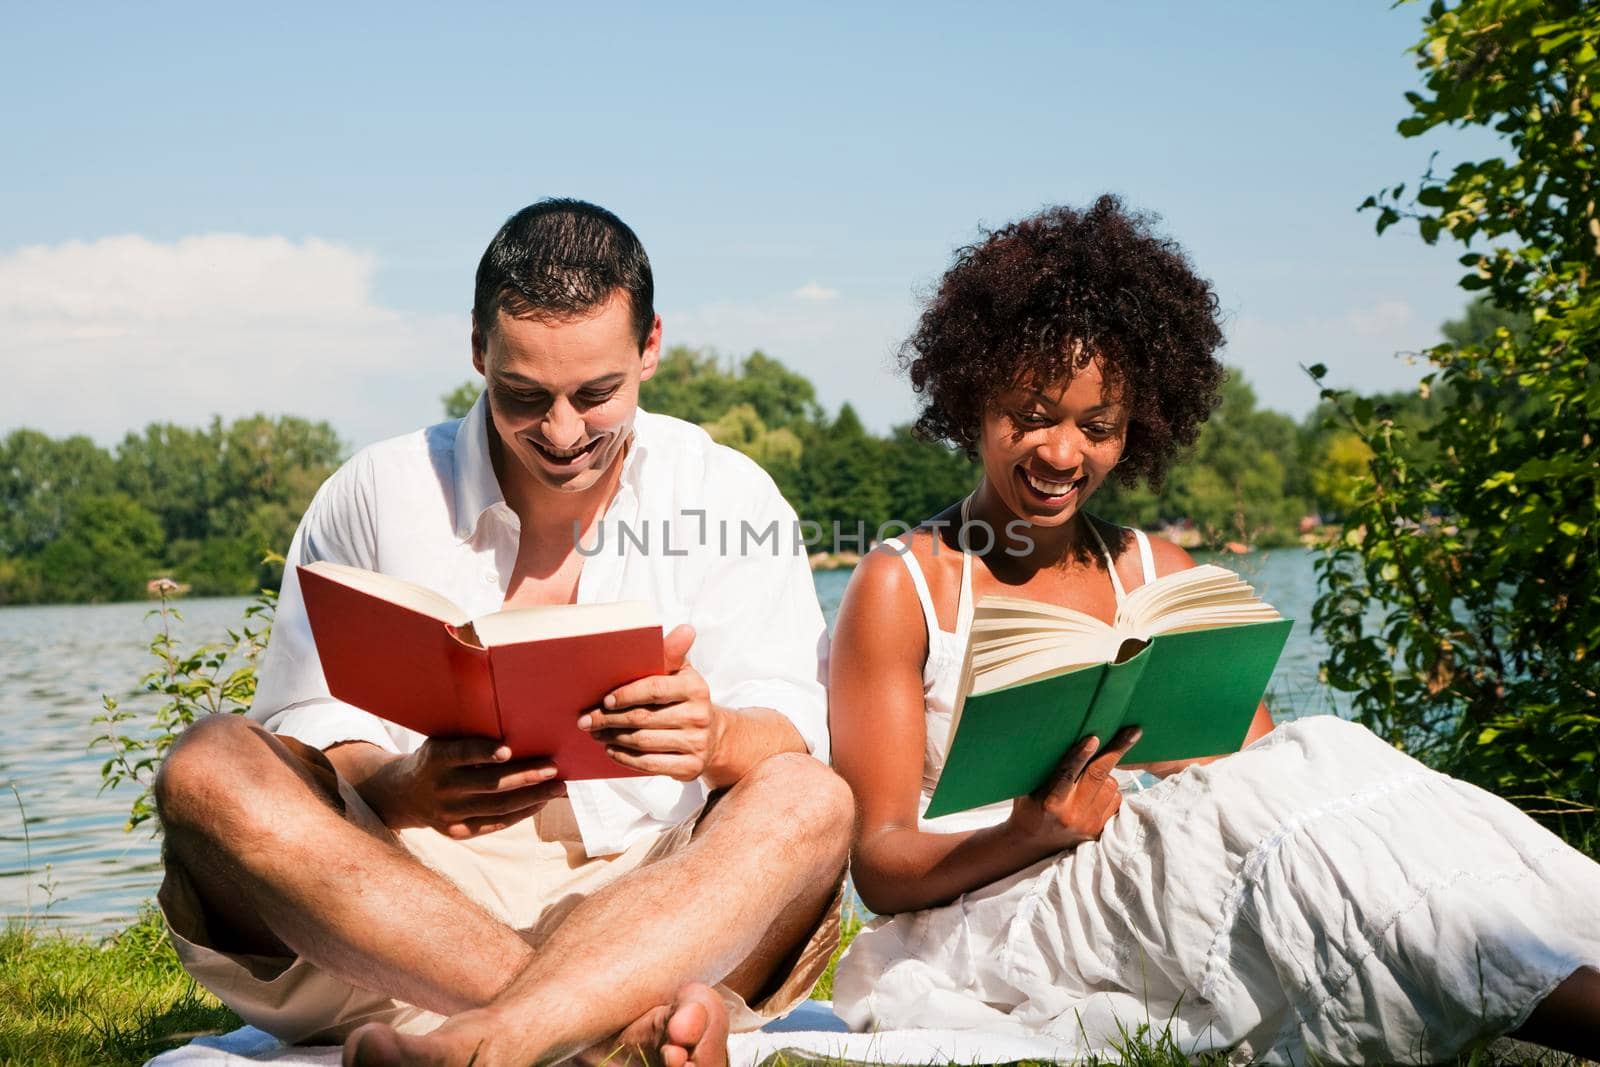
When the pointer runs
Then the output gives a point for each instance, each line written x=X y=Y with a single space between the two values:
x=812 y=1029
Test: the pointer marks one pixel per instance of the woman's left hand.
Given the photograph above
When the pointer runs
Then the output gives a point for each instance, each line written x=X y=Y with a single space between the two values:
x=1078 y=800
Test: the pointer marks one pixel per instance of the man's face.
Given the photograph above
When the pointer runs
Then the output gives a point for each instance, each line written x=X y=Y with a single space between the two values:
x=563 y=392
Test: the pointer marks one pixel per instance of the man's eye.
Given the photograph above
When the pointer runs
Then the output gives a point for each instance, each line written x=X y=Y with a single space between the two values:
x=591 y=399
x=515 y=396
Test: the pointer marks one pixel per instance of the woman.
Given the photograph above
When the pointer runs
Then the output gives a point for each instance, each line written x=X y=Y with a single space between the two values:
x=1318 y=895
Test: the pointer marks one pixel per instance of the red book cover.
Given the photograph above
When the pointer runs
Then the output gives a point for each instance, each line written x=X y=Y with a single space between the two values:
x=417 y=670
x=543 y=686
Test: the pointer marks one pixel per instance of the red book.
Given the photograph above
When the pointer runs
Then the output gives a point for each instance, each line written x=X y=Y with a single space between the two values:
x=409 y=655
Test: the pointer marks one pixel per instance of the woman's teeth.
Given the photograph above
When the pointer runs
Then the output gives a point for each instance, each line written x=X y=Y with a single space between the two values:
x=1044 y=488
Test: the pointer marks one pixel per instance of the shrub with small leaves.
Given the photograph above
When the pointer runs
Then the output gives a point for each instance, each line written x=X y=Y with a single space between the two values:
x=1462 y=604
x=213 y=678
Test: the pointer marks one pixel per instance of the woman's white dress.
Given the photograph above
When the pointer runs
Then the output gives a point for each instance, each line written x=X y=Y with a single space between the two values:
x=1318 y=896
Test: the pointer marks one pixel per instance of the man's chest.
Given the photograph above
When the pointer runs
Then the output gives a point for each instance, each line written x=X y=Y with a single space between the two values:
x=543 y=574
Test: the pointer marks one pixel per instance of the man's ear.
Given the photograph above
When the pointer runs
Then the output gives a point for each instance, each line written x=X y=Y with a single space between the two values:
x=650 y=358
x=479 y=344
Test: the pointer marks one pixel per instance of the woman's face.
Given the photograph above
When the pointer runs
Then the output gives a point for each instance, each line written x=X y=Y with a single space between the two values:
x=1045 y=448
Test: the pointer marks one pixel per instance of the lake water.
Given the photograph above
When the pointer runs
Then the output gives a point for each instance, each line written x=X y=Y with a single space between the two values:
x=71 y=864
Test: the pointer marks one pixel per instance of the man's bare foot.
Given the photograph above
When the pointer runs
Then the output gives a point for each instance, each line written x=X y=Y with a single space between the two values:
x=692 y=1031
x=697 y=1029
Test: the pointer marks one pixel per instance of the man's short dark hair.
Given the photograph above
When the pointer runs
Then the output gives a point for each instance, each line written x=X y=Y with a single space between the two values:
x=561 y=258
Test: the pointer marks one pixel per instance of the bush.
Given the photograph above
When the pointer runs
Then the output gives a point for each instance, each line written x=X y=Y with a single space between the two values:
x=1462 y=604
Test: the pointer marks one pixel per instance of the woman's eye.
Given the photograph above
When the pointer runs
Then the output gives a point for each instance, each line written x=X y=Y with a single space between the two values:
x=1031 y=418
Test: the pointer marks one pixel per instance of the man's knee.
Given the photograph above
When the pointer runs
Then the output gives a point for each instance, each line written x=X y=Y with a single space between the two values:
x=213 y=767
x=815 y=801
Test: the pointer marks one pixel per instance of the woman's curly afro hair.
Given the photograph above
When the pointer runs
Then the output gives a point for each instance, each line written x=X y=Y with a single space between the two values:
x=1039 y=299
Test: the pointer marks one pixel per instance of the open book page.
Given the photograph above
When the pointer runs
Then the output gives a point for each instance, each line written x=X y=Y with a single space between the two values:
x=395 y=590
x=1200 y=597
x=549 y=621
x=1015 y=640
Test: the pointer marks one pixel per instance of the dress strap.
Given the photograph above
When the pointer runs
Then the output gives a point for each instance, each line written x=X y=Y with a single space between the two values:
x=1147 y=560
x=964 y=606
x=1111 y=563
x=903 y=550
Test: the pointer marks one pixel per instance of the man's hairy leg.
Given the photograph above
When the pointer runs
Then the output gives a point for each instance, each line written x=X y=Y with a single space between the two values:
x=749 y=887
x=280 y=869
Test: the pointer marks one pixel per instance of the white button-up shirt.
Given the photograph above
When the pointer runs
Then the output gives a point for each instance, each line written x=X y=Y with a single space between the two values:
x=695 y=528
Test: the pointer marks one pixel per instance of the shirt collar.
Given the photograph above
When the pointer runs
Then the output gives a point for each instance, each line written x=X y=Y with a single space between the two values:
x=478 y=490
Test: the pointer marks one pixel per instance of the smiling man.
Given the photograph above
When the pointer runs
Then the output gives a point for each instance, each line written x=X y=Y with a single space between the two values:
x=335 y=877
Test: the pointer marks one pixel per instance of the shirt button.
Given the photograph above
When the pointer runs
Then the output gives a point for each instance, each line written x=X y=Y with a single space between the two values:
x=491 y=578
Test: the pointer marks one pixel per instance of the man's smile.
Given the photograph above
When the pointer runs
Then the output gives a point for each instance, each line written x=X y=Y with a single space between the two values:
x=565 y=457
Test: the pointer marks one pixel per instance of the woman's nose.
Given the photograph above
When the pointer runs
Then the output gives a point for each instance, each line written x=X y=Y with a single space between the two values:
x=1062 y=450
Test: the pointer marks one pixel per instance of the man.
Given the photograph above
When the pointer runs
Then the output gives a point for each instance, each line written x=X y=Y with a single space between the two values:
x=332 y=876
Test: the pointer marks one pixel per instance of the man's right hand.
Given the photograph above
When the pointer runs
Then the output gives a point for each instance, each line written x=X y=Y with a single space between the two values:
x=1077 y=801
x=461 y=788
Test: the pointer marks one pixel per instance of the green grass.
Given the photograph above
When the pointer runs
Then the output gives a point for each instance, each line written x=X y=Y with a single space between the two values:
x=848 y=929
x=71 y=1001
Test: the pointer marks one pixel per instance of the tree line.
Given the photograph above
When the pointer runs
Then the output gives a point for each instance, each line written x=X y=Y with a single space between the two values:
x=207 y=506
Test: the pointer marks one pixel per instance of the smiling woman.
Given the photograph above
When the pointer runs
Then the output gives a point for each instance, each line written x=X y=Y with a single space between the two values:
x=1317 y=895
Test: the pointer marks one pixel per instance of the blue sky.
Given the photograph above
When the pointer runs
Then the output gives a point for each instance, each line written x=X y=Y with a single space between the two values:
x=219 y=211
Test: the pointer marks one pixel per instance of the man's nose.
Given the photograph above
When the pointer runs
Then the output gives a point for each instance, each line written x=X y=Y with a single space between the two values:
x=561 y=426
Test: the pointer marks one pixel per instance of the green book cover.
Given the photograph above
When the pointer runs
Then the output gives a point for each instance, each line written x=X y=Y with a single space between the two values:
x=1194 y=694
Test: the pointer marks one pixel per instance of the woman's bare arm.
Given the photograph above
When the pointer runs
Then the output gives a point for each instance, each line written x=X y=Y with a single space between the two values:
x=876 y=720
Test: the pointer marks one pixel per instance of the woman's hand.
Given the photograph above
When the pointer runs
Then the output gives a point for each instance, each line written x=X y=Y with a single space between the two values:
x=461 y=788
x=1078 y=800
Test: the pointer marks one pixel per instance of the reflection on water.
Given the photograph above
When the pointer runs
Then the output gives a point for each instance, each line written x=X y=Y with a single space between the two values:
x=73 y=865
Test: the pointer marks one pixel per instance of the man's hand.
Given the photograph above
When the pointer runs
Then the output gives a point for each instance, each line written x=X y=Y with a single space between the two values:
x=461 y=788
x=1078 y=800
x=665 y=724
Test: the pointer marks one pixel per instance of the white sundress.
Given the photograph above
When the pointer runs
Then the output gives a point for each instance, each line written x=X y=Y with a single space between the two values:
x=1317 y=896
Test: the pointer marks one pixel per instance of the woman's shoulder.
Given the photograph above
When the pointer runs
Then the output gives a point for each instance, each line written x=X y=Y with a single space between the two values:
x=885 y=575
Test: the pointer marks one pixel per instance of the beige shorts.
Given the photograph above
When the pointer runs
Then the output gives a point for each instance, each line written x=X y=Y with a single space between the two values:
x=530 y=876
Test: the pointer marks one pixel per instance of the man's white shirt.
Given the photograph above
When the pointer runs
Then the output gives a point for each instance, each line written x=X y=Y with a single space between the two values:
x=695 y=528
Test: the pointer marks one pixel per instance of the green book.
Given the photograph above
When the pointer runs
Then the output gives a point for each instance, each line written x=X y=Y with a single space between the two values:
x=1187 y=659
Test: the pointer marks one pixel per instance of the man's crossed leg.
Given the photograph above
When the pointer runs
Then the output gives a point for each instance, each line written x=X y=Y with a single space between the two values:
x=287 y=865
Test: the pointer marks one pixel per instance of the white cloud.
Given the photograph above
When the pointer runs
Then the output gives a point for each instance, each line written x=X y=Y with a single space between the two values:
x=815 y=292
x=105 y=336
x=1381 y=320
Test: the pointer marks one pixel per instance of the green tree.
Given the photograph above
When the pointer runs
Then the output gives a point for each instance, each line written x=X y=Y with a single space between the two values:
x=108 y=550
x=923 y=477
x=458 y=401
x=742 y=428
x=1462 y=607
x=1340 y=473
x=842 y=481
x=689 y=384
x=1236 y=484
x=39 y=480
